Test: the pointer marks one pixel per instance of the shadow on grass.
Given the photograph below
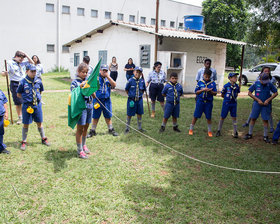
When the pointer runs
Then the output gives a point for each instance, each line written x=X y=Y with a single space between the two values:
x=59 y=158
x=65 y=80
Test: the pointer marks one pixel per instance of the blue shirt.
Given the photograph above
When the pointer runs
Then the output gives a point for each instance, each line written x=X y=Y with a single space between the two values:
x=205 y=96
x=262 y=91
x=230 y=92
x=39 y=71
x=16 y=70
x=127 y=66
x=26 y=88
x=157 y=78
x=172 y=92
x=200 y=73
x=104 y=91
x=135 y=88
x=3 y=100
x=88 y=99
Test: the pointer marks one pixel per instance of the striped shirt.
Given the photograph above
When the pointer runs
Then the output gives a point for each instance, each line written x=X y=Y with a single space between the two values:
x=16 y=70
x=157 y=78
x=200 y=73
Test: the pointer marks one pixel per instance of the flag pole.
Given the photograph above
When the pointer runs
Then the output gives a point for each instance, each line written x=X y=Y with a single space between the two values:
x=9 y=96
x=147 y=96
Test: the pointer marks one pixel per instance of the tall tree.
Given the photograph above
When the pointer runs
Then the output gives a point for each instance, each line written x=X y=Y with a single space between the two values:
x=227 y=19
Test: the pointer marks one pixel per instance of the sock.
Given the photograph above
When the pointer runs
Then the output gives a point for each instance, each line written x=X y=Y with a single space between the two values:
x=162 y=106
x=265 y=131
x=24 y=134
x=175 y=124
x=153 y=106
x=234 y=123
x=20 y=117
x=163 y=124
x=41 y=131
x=251 y=127
x=139 y=123
x=110 y=126
x=271 y=122
x=221 y=122
x=191 y=127
x=79 y=147
x=209 y=127
x=84 y=140
x=128 y=119
x=93 y=127
x=249 y=119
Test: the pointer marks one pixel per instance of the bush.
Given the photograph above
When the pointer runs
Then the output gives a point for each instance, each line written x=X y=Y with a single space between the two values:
x=60 y=69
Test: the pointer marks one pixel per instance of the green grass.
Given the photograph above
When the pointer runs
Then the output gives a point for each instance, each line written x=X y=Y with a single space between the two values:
x=129 y=179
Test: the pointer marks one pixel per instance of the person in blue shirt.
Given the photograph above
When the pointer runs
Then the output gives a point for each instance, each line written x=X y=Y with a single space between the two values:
x=205 y=90
x=85 y=120
x=230 y=94
x=261 y=104
x=3 y=116
x=102 y=102
x=129 y=68
x=172 y=91
x=135 y=88
x=29 y=90
x=207 y=65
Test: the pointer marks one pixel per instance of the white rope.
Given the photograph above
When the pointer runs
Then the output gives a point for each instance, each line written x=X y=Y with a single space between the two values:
x=185 y=155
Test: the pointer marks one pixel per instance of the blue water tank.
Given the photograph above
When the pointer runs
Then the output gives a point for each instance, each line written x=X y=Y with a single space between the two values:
x=193 y=22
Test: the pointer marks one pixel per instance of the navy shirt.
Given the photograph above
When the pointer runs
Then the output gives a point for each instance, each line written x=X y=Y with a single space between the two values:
x=127 y=66
x=3 y=100
x=104 y=91
x=88 y=99
x=172 y=92
x=26 y=86
x=262 y=91
x=133 y=91
x=205 y=96
x=230 y=92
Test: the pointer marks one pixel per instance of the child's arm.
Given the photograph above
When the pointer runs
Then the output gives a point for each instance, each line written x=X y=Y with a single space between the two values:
x=270 y=98
x=19 y=95
x=93 y=95
x=200 y=91
x=255 y=98
x=112 y=82
x=6 y=111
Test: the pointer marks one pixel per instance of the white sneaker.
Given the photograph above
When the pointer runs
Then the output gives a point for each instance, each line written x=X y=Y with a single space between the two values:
x=19 y=121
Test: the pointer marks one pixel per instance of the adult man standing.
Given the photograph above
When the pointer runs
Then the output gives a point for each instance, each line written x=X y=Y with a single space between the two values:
x=207 y=65
x=16 y=71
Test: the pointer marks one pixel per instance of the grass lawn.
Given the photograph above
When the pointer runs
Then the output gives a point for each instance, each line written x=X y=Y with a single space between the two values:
x=129 y=179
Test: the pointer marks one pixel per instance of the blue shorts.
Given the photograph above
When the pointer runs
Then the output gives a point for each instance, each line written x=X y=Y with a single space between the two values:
x=155 y=92
x=2 y=132
x=86 y=117
x=37 y=115
x=171 y=109
x=257 y=109
x=97 y=112
x=229 y=107
x=137 y=109
x=203 y=107
x=13 y=86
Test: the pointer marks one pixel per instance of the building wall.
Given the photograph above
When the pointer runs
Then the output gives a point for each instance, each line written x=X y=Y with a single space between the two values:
x=27 y=26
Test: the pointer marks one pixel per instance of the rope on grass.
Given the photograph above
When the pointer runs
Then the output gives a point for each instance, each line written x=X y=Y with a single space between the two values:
x=185 y=155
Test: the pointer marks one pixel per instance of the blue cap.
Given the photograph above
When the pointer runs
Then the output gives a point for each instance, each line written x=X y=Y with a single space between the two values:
x=264 y=78
x=31 y=67
x=138 y=68
x=104 y=67
x=232 y=74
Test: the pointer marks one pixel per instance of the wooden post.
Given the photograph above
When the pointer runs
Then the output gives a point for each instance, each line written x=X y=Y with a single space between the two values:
x=241 y=67
x=9 y=96
x=156 y=30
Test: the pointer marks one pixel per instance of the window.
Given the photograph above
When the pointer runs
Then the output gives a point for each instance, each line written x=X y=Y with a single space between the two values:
x=145 y=55
x=103 y=54
x=172 y=24
x=80 y=11
x=120 y=16
x=94 y=13
x=49 y=7
x=85 y=53
x=65 y=9
x=153 y=21
x=180 y=26
x=76 y=59
x=108 y=15
x=131 y=18
x=143 y=20
x=65 y=49
x=272 y=67
x=50 y=47
x=162 y=23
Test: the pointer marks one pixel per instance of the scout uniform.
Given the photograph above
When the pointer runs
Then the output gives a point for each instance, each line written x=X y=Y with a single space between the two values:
x=200 y=72
x=3 y=100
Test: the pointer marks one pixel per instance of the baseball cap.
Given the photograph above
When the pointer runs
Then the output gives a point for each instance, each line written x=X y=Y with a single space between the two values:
x=104 y=67
x=138 y=68
x=232 y=74
x=31 y=67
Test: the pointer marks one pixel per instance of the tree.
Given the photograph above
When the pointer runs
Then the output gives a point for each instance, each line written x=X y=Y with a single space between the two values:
x=227 y=19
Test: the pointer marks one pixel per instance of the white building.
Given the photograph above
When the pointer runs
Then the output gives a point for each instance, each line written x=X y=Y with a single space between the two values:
x=41 y=27
x=179 y=51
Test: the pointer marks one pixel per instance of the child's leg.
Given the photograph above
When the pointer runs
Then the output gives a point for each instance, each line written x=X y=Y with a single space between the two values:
x=139 y=121
x=79 y=137
x=153 y=104
x=221 y=122
x=271 y=123
x=174 y=119
x=84 y=134
x=128 y=119
x=162 y=105
x=41 y=130
x=276 y=134
x=209 y=124
x=251 y=126
x=94 y=124
x=24 y=132
x=234 y=124
x=164 y=121
x=193 y=123
x=109 y=123
x=265 y=128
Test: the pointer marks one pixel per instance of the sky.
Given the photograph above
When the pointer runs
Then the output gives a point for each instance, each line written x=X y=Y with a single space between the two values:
x=193 y=2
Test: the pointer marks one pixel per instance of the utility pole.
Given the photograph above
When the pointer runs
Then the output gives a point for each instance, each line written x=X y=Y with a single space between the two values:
x=156 y=30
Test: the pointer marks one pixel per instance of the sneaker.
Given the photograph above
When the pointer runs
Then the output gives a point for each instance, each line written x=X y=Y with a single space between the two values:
x=82 y=155
x=245 y=125
x=162 y=129
x=142 y=130
x=210 y=134
x=176 y=129
x=91 y=133
x=126 y=131
x=274 y=142
x=153 y=114
x=23 y=146
x=235 y=135
x=86 y=150
x=248 y=136
x=45 y=141
x=5 y=151
x=271 y=130
x=266 y=139
x=190 y=132
x=113 y=132
x=19 y=121
x=218 y=134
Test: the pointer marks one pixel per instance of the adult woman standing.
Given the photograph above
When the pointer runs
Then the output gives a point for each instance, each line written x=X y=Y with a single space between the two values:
x=113 y=67
x=156 y=79
x=39 y=67
x=129 y=68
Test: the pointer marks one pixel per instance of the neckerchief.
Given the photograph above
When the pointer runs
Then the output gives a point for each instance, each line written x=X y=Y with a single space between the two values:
x=175 y=92
x=34 y=100
x=137 y=89
x=232 y=91
x=205 y=94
